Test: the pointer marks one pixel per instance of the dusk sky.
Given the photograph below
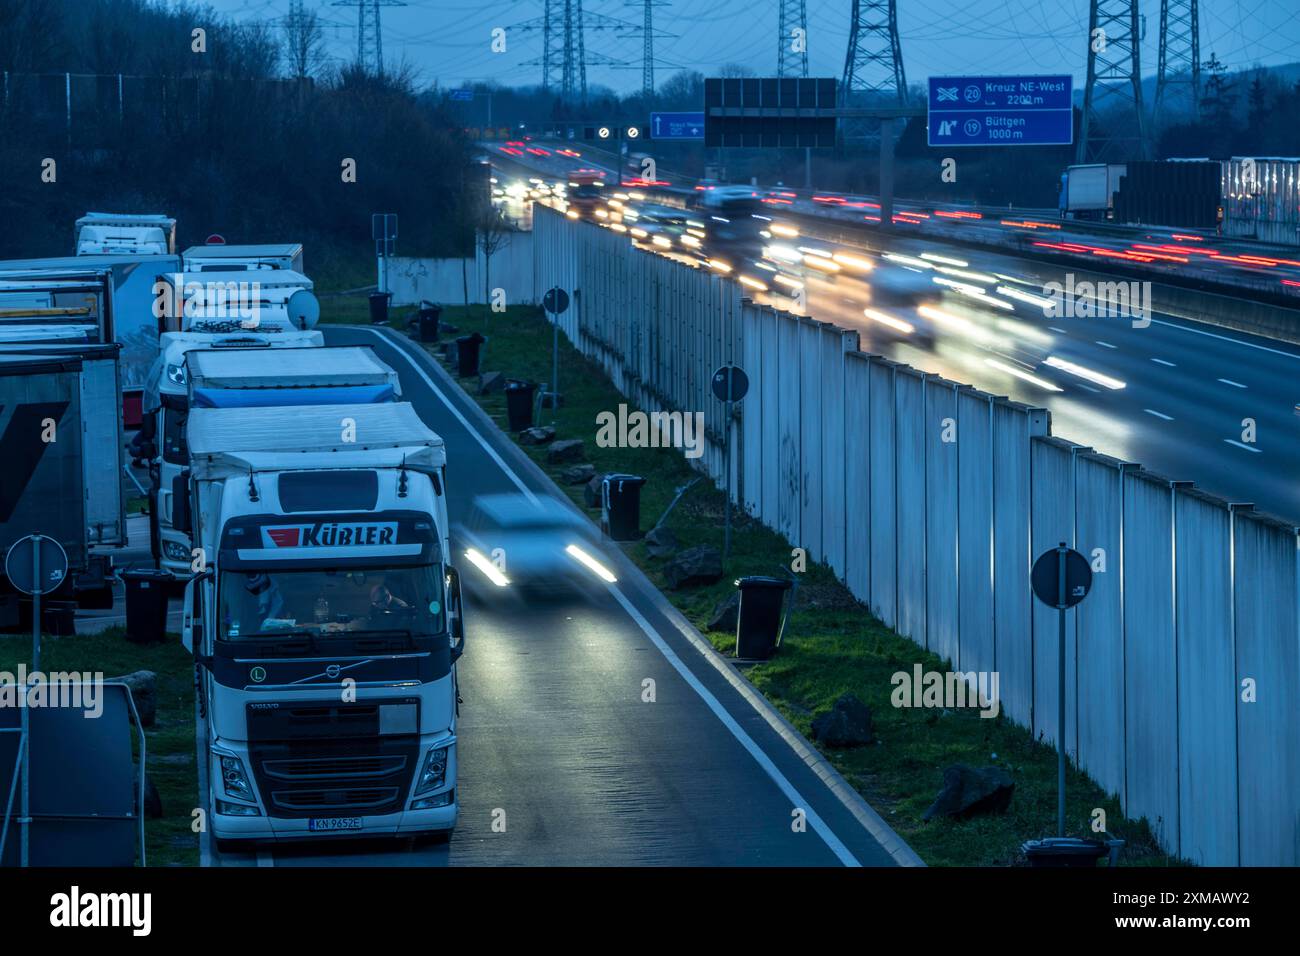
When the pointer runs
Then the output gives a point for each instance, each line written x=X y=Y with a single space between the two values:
x=448 y=40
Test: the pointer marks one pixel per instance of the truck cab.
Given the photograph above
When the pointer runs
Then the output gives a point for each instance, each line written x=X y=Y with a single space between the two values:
x=326 y=623
x=106 y=233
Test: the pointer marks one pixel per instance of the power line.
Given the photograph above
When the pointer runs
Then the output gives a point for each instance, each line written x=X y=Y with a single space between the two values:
x=873 y=65
x=1114 y=82
x=1178 y=72
x=792 y=47
x=370 y=36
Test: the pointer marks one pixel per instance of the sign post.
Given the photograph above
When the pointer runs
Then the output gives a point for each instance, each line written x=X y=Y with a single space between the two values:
x=555 y=302
x=1001 y=111
x=36 y=565
x=1061 y=578
x=730 y=384
x=383 y=229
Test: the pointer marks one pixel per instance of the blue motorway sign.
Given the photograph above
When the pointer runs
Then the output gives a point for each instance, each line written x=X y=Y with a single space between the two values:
x=677 y=126
x=1001 y=110
x=463 y=96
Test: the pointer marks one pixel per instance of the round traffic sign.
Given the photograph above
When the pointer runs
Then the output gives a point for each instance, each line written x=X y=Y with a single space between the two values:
x=36 y=555
x=1047 y=581
x=633 y=132
x=603 y=132
x=556 y=301
x=730 y=383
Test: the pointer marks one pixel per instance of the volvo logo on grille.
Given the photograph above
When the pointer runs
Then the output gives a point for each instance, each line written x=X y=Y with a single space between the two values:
x=332 y=671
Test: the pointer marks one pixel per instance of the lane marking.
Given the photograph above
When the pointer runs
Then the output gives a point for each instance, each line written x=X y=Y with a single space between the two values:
x=442 y=397
x=832 y=842
x=1152 y=411
x=1105 y=344
x=784 y=785
x=1055 y=329
x=1231 y=441
x=1228 y=381
x=1163 y=362
x=1095 y=391
x=1226 y=338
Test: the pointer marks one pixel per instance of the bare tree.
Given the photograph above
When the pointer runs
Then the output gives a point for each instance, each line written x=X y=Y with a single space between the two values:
x=304 y=41
x=493 y=231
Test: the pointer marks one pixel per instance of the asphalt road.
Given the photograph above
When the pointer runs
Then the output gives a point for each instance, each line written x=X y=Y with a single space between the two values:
x=553 y=730
x=1198 y=403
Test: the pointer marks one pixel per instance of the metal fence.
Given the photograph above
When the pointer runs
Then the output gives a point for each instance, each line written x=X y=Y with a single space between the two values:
x=930 y=500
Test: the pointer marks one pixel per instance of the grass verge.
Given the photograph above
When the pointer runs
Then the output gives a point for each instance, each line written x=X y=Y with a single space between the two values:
x=170 y=762
x=832 y=644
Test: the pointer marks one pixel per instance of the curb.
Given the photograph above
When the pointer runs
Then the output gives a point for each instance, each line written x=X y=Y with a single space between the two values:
x=852 y=801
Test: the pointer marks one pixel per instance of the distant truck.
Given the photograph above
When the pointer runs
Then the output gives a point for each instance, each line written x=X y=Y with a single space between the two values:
x=227 y=258
x=585 y=191
x=326 y=624
x=106 y=233
x=1088 y=191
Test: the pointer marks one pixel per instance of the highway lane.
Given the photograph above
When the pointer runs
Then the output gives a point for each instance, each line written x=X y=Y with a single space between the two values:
x=1190 y=390
x=1199 y=403
x=553 y=729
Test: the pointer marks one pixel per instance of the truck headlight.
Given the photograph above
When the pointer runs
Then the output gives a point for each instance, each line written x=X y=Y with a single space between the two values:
x=434 y=773
x=176 y=374
x=237 y=809
x=176 y=550
x=234 y=780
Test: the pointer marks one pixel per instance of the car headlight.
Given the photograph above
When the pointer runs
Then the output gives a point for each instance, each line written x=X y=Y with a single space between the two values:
x=176 y=374
x=234 y=780
x=434 y=773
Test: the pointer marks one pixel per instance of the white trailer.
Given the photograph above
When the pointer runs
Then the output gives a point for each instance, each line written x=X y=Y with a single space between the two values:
x=1088 y=191
x=231 y=301
x=326 y=622
x=108 y=233
x=226 y=258
x=166 y=410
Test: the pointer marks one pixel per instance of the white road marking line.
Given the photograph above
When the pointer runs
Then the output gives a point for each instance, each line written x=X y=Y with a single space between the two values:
x=762 y=759
x=786 y=787
x=459 y=417
x=1055 y=329
x=1152 y=411
x=1227 y=338
x=1228 y=381
x=1105 y=344
x=1088 y=387
x=1163 y=362
x=1240 y=445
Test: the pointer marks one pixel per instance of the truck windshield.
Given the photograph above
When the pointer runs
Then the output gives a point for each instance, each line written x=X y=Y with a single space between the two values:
x=274 y=603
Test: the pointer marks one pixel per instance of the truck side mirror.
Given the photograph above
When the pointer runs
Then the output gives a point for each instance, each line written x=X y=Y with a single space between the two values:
x=455 y=614
x=181 y=502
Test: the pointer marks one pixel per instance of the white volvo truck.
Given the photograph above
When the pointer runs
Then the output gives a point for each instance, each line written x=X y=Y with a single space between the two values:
x=326 y=624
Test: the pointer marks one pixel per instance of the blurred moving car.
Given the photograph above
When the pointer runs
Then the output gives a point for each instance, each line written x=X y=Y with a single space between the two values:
x=518 y=542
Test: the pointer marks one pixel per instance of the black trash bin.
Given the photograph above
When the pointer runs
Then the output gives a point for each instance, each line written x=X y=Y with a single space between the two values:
x=429 y=315
x=620 y=516
x=467 y=348
x=519 y=404
x=1066 y=851
x=379 y=307
x=146 y=604
x=758 y=623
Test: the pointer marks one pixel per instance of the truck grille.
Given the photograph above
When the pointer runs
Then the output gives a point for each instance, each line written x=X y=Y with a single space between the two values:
x=318 y=758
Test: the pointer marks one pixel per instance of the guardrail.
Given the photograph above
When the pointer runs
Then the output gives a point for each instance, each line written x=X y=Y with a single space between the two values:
x=930 y=499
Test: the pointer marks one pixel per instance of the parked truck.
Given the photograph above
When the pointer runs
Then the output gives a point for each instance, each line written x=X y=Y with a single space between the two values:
x=135 y=327
x=326 y=623
x=68 y=318
x=107 y=233
x=234 y=300
x=60 y=443
x=236 y=258
x=1088 y=191
x=161 y=442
